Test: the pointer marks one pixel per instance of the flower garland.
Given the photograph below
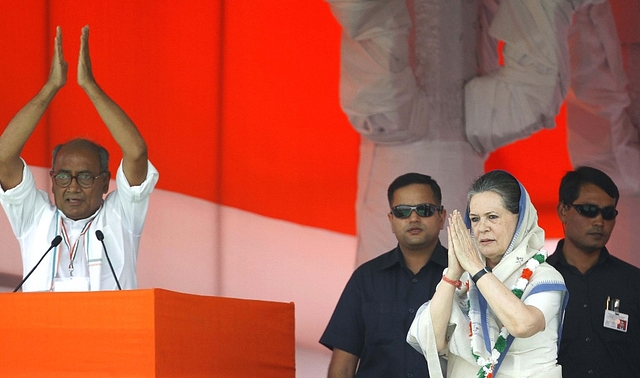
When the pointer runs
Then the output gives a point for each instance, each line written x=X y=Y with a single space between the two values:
x=487 y=365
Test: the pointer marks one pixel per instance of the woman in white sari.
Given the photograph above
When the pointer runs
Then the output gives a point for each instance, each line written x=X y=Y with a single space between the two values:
x=498 y=310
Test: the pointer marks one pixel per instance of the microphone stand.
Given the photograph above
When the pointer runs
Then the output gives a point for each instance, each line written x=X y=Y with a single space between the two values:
x=100 y=237
x=54 y=243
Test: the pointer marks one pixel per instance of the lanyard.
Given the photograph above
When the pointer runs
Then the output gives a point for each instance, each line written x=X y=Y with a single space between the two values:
x=73 y=249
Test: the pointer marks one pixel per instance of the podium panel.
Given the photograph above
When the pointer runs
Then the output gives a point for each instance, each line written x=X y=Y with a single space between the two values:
x=144 y=333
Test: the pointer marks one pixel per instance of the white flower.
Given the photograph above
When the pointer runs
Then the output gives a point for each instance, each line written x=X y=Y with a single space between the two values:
x=495 y=355
x=532 y=264
x=521 y=283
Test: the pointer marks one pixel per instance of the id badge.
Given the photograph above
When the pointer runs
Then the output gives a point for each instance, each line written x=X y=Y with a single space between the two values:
x=616 y=320
x=68 y=284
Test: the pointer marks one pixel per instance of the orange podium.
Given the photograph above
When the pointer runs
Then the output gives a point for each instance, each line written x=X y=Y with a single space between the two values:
x=144 y=333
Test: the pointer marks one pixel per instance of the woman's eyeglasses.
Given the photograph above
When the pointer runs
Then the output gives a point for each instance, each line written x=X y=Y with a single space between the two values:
x=422 y=209
x=592 y=211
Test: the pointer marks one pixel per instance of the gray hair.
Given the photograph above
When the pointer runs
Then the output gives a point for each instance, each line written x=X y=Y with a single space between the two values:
x=501 y=183
x=101 y=151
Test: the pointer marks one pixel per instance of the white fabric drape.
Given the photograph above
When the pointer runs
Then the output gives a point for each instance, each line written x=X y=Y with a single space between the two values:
x=421 y=84
x=603 y=107
x=401 y=88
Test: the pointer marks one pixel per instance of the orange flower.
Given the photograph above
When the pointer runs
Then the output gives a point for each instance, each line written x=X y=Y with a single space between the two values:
x=526 y=274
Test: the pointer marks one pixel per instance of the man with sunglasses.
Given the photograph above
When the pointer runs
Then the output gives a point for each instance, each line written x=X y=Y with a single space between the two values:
x=368 y=329
x=81 y=219
x=601 y=335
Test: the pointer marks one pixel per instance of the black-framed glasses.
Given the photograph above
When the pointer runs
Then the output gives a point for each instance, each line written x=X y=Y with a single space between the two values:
x=84 y=179
x=591 y=211
x=423 y=209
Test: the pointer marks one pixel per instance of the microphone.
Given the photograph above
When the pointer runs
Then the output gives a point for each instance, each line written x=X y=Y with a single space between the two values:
x=54 y=243
x=100 y=237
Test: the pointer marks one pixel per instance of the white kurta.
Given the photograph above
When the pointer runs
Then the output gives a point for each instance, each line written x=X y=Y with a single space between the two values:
x=36 y=221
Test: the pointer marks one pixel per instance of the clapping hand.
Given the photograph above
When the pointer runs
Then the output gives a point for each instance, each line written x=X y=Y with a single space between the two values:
x=58 y=72
x=85 y=72
x=464 y=247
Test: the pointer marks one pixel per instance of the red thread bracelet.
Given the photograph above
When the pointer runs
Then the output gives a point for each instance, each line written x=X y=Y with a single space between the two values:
x=457 y=284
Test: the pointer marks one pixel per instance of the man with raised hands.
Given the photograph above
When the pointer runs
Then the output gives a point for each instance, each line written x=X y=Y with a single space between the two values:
x=79 y=181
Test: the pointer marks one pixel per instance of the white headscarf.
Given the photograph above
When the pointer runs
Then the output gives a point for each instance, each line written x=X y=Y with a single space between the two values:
x=527 y=240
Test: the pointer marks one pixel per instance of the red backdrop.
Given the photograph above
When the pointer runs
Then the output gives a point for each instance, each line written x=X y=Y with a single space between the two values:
x=238 y=101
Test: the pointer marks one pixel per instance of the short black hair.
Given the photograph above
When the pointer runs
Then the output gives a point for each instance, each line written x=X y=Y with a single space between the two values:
x=574 y=180
x=414 y=178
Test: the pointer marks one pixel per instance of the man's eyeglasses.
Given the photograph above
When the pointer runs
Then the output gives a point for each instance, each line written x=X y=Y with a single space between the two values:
x=84 y=179
x=592 y=211
x=423 y=210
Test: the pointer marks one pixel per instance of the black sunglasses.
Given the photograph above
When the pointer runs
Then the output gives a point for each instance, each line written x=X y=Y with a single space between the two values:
x=422 y=209
x=592 y=211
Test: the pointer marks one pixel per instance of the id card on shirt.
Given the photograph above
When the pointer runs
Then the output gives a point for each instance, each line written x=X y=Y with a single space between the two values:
x=68 y=284
x=616 y=320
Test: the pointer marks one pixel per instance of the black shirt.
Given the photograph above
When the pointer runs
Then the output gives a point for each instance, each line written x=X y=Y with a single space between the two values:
x=375 y=311
x=587 y=348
